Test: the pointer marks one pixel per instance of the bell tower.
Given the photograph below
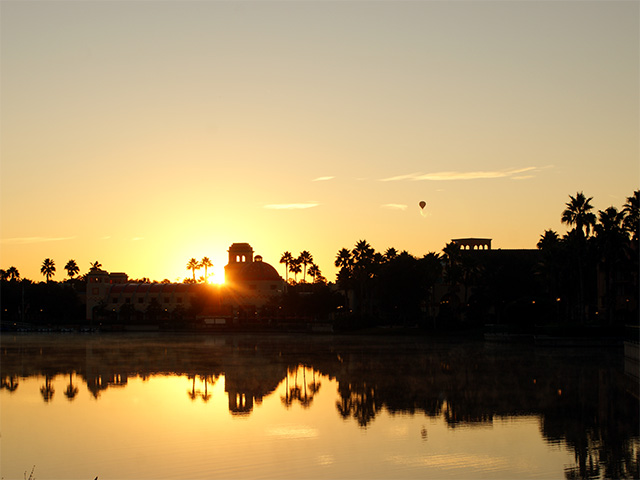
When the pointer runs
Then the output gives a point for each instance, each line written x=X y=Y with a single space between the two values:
x=240 y=253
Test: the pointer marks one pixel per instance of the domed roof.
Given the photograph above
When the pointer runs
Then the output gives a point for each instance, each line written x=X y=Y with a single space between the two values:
x=258 y=270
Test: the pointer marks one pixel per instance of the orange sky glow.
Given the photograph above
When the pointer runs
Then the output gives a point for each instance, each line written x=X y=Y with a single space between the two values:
x=142 y=134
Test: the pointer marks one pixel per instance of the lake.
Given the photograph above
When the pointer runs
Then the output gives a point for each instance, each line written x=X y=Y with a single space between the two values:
x=276 y=406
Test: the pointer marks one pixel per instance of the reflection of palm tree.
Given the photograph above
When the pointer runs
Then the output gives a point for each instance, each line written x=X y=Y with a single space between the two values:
x=192 y=393
x=10 y=383
x=71 y=391
x=206 y=396
x=287 y=400
x=47 y=389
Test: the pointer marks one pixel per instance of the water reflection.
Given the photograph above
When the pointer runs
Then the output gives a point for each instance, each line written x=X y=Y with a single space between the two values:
x=581 y=396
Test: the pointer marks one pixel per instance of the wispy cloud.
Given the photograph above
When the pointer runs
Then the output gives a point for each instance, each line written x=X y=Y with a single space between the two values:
x=476 y=175
x=322 y=179
x=290 y=206
x=26 y=240
x=394 y=206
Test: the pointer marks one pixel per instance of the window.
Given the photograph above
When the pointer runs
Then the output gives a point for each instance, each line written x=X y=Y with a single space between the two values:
x=140 y=300
x=114 y=300
x=166 y=299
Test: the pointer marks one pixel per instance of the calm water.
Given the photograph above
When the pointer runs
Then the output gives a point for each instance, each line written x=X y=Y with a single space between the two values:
x=136 y=407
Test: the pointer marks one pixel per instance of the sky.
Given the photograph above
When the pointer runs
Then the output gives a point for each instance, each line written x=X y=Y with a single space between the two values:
x=143 y=133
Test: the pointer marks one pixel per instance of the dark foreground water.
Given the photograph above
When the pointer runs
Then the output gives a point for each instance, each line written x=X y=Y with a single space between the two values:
x=136 y=407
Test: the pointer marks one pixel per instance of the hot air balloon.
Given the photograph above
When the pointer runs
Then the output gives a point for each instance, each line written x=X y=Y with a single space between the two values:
x=422 y=204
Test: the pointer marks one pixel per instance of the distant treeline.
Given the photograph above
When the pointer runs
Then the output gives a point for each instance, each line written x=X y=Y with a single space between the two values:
x=587 y=276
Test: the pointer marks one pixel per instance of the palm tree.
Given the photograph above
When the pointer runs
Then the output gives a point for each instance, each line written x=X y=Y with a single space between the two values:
x=305 y=259
x=578 y=213
x=344 y=259
x=631 y=211
x=96 y=265
x=72 y=268
x=193 y=265
x=295 y=267
x=286 y=259
x=390 y=254
x=13 y=274
x=48 y=268
x=206 y=263
x=549 y=239
x=314 y=272
x=611 y=237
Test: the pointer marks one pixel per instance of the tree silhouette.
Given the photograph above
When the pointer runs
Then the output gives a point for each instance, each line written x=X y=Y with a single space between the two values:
x=578 y=214
x=631 y=210
x=96 y=264
x=206 y=263
x=286 y=258
x=13 y=274
x=305 y=259
x=295 y=267
x=193 y=265
x=48 y=268
x=612 y=241
x=314 y=272
x=72 y=268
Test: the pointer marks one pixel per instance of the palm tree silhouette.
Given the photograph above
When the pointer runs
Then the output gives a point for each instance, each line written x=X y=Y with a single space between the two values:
x=286 y=259
x=305 y=259
x=344 y=259
x=631 y=210
x=72 y=268
x=578 y=213
x=612 y=240
x=193 y=265
x=96 y=264
x=295 y=267
x=390 y=254
x=206 y=263
x=48 y=268
x=13 y=274
x=314 y=272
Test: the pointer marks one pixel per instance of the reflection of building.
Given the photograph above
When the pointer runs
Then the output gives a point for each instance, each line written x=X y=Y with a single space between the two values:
x=249 y=284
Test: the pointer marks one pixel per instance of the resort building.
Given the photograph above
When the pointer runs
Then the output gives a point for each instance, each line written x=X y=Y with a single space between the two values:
x=250 y=283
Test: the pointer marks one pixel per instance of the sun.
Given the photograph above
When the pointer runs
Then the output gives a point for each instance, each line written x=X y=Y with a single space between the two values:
x=216 y=277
